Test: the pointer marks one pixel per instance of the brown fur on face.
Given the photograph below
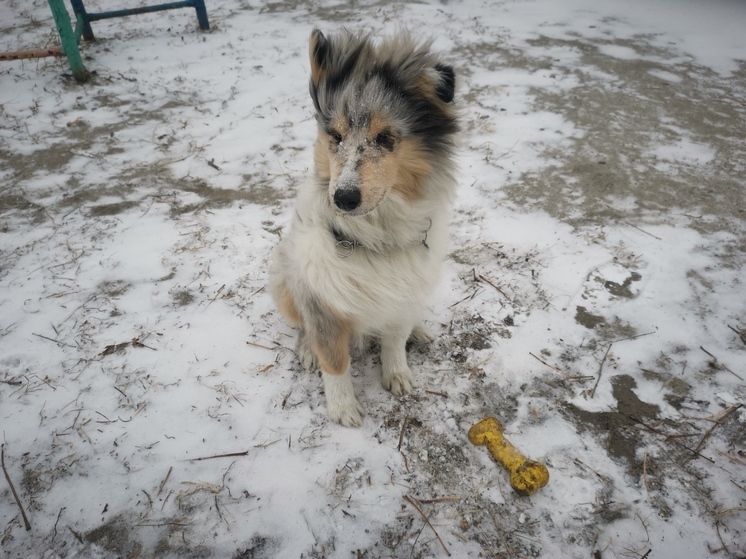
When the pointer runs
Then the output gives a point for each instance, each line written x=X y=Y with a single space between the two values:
x=371 y=158
x=413 y=168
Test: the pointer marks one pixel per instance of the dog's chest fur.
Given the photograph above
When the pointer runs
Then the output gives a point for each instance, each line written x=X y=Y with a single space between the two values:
x=381 y=281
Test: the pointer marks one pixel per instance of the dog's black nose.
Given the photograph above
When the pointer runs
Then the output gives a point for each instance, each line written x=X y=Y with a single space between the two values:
x=347 y=199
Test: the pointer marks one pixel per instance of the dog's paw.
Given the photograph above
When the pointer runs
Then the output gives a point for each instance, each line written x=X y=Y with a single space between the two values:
x=421 y=335
x=348 y=413
x=305 y=354
x=398 y=382
x=341 y=404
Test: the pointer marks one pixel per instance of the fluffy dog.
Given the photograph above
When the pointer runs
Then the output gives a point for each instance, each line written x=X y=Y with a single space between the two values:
x=369 y=233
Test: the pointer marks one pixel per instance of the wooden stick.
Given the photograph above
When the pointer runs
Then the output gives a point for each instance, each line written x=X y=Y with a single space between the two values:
x=654 y=430
x=37 y=53
x=722 y=418
x=440 y=499
x=413 y=502
x=261 y=346
x=13 y=489
x=59 y=343
x=163 y=483
x=560 y=371
x=601 y=365
x=719 y=364
x=229 y=455
x=741 y=333
x=642 y=231
x=401 y=433
x=600 y=368
x=480 y=277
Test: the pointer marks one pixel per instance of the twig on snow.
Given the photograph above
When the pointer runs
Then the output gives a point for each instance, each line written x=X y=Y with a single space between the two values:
x=114 y=348
x=413 y=502
x=261 y=346
x=163 y=483
x=59 y=343
x=601 y=365
x=600 y=368
x=642 y=230
x=668 y=437
x=741 y=333
x=715 y=361
x=13 y=489
x=54 y=535
x=486 y=280
x=579 y=378
x=74 y=533
x=228 y=455
x=729 y=410
x=217 y=293
x=401 y=433
x=440 y=499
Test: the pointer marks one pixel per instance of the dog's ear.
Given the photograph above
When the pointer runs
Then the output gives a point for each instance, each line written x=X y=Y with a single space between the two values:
x=319 y=50
x=446 y=86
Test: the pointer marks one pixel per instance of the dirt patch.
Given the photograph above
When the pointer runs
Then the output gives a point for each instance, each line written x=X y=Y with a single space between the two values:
x=618 y=428
x=18 y=203
x=182 y=298
x=115 y=535
x=588 y=319
x=614 y=164
x=104 y=210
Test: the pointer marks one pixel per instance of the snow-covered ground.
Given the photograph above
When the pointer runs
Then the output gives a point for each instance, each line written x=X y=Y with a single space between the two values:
x=151 y=404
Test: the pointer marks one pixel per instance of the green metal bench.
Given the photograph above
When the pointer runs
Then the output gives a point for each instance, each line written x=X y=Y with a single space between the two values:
x=69 y=37
x=86 y=18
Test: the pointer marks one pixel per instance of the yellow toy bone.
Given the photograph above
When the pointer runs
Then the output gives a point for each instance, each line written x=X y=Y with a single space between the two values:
x=526 y=476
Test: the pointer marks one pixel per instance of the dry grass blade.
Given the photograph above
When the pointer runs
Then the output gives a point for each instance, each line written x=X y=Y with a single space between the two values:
x=165 y=480
x=115 y=348
x=413 y=502
x=26 y=523
x=560 y=371
x=482 y=278
x=719 y=364
x=228 y=455
x=729 y=410
x=440 y=499
x=401 y=433
x=741 y=333
x=601 y=365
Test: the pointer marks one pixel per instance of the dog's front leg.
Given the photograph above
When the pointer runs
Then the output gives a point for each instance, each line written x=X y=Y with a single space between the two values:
x=341 y=403
x=330 y=342
x=395 y=373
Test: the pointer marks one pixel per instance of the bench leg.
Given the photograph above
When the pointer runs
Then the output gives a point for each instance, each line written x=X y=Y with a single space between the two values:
x=204 y=23
x=68 y=40
x=82 y=16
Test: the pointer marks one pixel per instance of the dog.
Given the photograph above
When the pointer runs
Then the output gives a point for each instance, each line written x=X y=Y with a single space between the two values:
x=370 y=228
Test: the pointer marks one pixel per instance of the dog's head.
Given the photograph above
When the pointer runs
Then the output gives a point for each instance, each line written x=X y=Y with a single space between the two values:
x=385 y=114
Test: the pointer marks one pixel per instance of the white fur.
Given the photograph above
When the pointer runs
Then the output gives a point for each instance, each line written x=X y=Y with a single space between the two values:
x=396 y=233
x=382 y=286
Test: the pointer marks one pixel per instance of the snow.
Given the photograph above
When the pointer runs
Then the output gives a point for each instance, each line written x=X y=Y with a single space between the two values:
x=151 y=404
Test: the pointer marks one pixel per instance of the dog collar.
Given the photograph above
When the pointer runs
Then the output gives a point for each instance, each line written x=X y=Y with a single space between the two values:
x=345 y=246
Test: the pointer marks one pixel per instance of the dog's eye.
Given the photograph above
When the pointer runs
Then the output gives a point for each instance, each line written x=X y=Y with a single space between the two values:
x=384 y=140
x=336 y=137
